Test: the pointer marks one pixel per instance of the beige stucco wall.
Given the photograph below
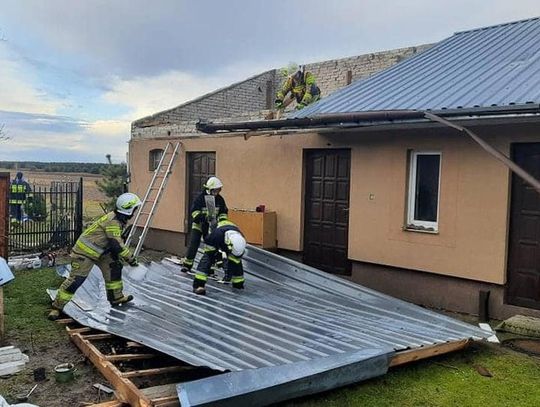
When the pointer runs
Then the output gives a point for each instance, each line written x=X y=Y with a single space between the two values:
x=474 y=197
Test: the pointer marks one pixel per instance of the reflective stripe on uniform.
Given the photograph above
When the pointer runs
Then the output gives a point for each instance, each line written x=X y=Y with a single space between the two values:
x=225 y=222
x=196 y=226
x=188 y=262
x=201 y=276
x=125 y=252
x=234 y=259
x=114 y=230
x=235 y=280
x=222 y=217
x=84 y=249
x=114 y=285
x=64 y=296
x=209 y=249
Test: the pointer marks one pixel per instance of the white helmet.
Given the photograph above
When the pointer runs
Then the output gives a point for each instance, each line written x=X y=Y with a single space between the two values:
x=236 y=242
x=213 y=183
x=127 y=203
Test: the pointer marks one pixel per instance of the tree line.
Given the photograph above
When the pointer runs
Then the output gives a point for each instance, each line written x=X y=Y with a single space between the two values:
x=87 y=168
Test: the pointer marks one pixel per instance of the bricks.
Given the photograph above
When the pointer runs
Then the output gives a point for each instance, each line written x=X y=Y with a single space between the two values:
x=248 y=100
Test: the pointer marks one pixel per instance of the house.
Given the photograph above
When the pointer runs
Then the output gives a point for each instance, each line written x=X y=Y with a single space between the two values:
x=364 y=184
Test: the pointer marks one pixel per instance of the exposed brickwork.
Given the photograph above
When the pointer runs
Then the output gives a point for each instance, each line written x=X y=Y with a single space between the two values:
x=247 y=100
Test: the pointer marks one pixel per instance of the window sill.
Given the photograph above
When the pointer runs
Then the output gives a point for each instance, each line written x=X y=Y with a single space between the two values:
x=420 y=229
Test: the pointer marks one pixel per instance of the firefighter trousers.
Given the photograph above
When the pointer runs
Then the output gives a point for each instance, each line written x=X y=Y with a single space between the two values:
x=80 y=268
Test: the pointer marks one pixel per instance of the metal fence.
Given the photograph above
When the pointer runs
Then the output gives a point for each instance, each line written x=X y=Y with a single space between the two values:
x=49 y=218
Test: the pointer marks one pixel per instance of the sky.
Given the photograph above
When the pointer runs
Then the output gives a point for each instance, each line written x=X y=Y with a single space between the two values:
x=75 y=74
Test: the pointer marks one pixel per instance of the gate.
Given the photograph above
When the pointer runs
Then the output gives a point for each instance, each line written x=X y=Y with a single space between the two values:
x=49 y=218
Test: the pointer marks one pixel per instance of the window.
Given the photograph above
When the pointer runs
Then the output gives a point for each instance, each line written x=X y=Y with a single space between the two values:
x=154 y=158
x=424 y=181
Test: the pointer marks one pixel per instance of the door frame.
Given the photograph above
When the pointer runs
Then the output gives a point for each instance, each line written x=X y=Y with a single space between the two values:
x=304 y=212
x=187 y=216
x=510 y=225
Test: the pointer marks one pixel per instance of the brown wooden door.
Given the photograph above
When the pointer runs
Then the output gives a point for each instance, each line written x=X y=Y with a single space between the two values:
x=200 y=167
x=523 y=285
x=4 y=214
x=326 y=225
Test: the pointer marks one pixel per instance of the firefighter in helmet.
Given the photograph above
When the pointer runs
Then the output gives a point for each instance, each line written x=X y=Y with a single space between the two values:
x=207 y=210
x=226 y=238
x=302 y=87
x=101 y=244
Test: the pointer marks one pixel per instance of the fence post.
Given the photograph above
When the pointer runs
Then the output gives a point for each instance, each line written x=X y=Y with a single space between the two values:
x=79 y=211
x=4 y=235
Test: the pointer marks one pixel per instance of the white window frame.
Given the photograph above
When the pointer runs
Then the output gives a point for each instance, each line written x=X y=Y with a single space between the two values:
x=412 y=223
x=152 y=155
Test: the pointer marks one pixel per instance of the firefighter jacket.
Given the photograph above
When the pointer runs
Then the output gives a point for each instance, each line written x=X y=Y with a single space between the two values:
x=217 y=237
x=199 y=211
x=18 y=191
x=304 y=91
x=103 y=236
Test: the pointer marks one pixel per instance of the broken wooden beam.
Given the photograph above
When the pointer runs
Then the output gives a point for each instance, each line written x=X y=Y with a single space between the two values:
x=126 y=390
x=413 y=355
x=155 y=371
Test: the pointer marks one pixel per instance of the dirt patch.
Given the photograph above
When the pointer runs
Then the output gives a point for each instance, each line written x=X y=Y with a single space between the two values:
x=524 y=345
x=49 y=393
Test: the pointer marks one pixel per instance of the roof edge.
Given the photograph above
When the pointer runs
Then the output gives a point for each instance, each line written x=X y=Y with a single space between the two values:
x=488 y=27
x=374 y=117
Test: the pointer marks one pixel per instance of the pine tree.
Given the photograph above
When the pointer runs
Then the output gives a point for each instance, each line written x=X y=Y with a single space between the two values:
x=113 y=182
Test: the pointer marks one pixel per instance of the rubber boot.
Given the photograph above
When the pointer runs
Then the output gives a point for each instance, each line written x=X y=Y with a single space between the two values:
x=200 y=291
x=198 y=287
x=122 y=300
x=54 y=314
x=238 y=286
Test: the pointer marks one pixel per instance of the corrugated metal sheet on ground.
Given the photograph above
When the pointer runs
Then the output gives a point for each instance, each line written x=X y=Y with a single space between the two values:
x=492 y=66
x=288 y=313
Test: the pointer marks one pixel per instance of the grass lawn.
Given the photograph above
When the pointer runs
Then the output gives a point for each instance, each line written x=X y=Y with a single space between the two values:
x=26 y=305
x=448 y=380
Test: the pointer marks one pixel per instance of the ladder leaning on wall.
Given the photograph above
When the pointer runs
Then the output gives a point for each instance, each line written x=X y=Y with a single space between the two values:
x=153 y=194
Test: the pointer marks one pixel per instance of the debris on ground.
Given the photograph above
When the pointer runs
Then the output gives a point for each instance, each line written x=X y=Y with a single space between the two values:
x=12 y=360
x=486 y=327
x=521 y=325
x=32 y=261
x=4 y=403
x=483 y=371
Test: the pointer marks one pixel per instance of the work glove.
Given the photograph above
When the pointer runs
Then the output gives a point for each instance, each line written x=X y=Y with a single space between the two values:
x=278 y=103
x=132 y=261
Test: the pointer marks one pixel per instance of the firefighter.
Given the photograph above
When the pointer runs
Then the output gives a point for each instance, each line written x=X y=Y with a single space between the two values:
x=301 y=85
x=204 y=217
x=226 y=238
x=101 y=244
x=18 y=189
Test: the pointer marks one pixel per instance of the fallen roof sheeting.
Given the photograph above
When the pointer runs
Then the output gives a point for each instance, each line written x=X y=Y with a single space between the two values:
x=269 y=385
x=288 y=313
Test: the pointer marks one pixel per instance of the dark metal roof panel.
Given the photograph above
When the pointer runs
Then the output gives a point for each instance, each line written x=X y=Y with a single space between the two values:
x=492 y=66
x=288 y=313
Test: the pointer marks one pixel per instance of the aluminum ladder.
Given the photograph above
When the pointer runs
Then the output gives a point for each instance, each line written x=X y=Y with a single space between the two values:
x=153 y=195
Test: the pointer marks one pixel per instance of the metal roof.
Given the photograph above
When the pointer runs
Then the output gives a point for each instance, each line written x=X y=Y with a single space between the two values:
x=288 y=313
x=492 y=66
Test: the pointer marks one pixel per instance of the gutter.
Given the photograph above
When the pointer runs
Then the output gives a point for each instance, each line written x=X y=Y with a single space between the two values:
x=350 y=120
x=359 y=118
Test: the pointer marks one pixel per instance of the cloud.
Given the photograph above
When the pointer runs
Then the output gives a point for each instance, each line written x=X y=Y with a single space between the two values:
x=17 y=89
x=148 y=95
x=42 y=137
